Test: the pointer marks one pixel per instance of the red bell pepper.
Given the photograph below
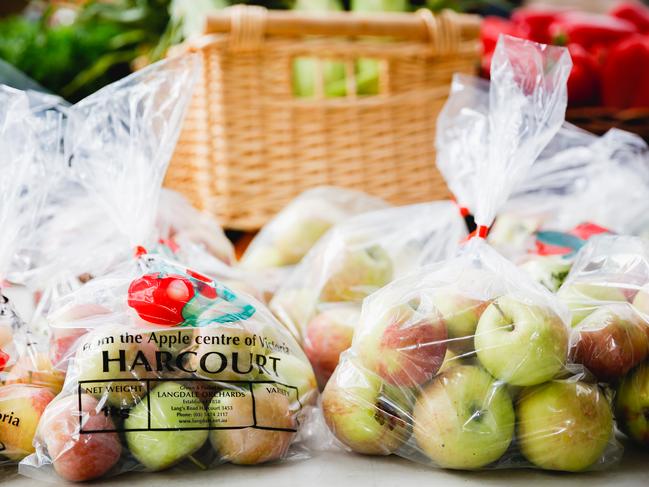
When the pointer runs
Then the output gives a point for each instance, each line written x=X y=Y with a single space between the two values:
x=625 y=74
x=634 y=12
x=492 y=27
x=536 y=22
x=490 y=30
x=584 y=80
x=590 y=30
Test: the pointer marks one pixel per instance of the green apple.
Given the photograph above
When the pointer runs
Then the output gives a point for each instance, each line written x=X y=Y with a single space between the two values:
x=262 y=257
x=294 y=243
x=111 y=365
x=461 y=314
x=522 y=344
x=583 y=298
x=632 y=405
x=364 y=413
x=548 y=270
x=641 y=301
x=563 y=425
x=175 y=408
x=464 y=419
x=358 y=274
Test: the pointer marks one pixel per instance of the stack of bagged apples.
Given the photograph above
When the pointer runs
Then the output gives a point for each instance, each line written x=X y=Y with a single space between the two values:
x=148 y=346
x=465 y=364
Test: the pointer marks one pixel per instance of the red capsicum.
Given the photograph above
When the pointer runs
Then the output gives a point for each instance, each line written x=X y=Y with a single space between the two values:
x=590 y=30
x=490 y=30
x=584 y=82
x=625 y=74
x=536 y=22
x=634 y=12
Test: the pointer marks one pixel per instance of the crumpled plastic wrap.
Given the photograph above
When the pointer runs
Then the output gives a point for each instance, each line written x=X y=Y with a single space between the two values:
x=464 y=364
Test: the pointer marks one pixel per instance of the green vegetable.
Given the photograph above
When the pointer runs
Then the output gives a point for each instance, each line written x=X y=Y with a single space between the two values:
x=368 y=70
x=305 y=70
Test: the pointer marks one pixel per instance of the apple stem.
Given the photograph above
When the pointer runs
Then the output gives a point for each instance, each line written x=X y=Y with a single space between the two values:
x=198 y=463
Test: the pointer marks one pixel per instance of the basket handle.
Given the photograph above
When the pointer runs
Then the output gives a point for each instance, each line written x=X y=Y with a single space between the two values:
x=251 y=24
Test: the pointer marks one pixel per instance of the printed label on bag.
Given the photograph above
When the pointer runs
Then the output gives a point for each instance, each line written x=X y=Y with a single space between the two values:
x=234 y=405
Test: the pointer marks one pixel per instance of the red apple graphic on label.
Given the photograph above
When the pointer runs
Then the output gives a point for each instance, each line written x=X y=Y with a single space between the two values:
x=160 y=300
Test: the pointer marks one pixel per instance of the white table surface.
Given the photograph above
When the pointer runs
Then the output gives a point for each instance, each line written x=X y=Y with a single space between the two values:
x=333 y=469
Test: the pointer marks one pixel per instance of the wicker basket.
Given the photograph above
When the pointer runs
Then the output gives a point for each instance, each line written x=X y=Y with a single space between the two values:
x=248 y=145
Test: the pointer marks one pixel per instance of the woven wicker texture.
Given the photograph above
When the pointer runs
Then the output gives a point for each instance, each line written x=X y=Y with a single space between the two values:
x=248 y=145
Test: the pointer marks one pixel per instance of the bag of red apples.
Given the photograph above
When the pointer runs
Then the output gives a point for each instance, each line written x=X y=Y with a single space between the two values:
x=320 y=301
x=464 y=364
x=164 y=366
x=607 y=291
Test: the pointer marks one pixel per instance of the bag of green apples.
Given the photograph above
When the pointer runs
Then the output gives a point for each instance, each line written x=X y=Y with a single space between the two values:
x=463 y=364
x=320 y=300
x=164 y=365
x=287 y=238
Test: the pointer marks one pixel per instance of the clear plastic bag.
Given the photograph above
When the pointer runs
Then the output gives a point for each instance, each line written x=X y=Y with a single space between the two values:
x=287 y=238
x=320 y=301
x=181 y=224
x=27 y=381
x=607 y=292
x=178 y=369
x=164 y=366
x=463 y=364
x=596 y=180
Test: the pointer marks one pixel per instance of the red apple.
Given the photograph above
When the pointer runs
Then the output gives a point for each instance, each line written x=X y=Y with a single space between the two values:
x=610 y=342
x=406 y=347
x=78 y=456
x=327 y=336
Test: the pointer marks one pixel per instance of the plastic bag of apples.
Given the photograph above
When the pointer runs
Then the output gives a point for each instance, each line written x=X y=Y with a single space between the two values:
x=320 y=300
x=27 y=381
x=289 y=236
x=464 y=364
x=608 y=293
x=164 y=366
